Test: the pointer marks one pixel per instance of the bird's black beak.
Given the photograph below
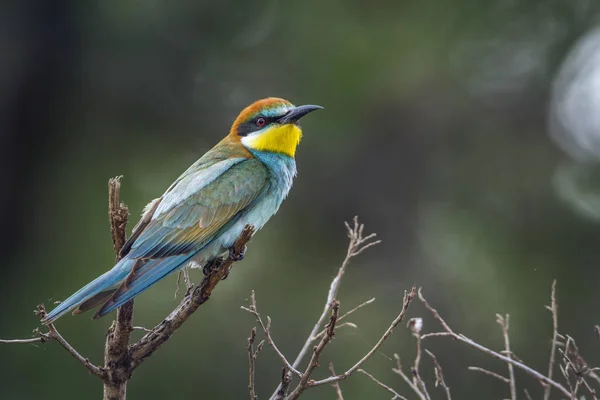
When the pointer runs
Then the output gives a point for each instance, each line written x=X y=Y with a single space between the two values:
x=295 y=114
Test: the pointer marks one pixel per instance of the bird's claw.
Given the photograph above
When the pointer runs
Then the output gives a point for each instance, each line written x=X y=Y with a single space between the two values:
x=212 y=266
x=237 y=255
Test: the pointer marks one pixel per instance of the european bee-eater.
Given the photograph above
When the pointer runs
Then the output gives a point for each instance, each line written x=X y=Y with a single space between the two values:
x=240 y=181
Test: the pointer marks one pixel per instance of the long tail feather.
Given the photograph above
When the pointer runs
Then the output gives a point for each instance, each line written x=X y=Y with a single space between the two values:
x=141 y=279
x=104 y=282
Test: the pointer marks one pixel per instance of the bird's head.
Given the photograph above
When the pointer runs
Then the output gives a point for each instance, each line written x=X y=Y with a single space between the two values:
x=271 y=125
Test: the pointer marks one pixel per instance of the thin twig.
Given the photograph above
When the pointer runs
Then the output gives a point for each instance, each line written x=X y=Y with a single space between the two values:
x=252 y=362
x=527 y=394
x=417 y=381
x=492 y=353
x=504 y=323
x=554 y=310
x=336 y=385
x=314 y=360
x=252 y=309
x=408 y=298
x=399 y=371
x=320 y=334
x=42 y=339
x=357 y=244
x=141 y=328
x=439 y=375
x=490 y=373
x=383 y=385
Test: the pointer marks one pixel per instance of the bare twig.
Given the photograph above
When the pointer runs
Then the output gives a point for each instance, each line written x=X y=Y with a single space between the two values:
x=417 y=380
x=116 y=353
x=282 y=391
x=320 y=334
x=400 y=371
x=527 y=394
x=42 y=339
x=141 y=350
x=357 y=244
x=504 y=322
x=383 y=385
x=336 y=385
x=252 y=354
x=554 y=310
x=490 y=373
x=439 y=375
x=267 y=330
x=466 y=340
x=408 y=298
x=141 y=328
x=53 y=334
x=314 y=360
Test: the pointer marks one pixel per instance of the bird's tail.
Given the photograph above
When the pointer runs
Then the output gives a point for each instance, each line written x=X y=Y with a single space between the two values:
x=94 y=293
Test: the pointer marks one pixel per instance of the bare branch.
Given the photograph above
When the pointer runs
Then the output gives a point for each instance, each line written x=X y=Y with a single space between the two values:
x=320 y=334
x=53 y=334
x=336 y=385
x=42 y=339
x=356 y=245
x=314 y=360
x=383 y=385
x=408 y=298
x=554 y=310
x=399 y=370
x=439 y=375
x=286 y=379
x=490 y=373
x=252 y=363
x=417 y=381
x=141 y=350
x=116 y=352
x=484 y=349
x=504 y=323
x=267 y=330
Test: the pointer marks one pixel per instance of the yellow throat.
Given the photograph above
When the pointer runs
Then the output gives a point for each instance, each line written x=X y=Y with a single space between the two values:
x=282 y=139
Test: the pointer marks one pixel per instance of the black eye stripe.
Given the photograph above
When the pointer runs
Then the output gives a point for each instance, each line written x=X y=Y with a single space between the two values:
x=251 y=126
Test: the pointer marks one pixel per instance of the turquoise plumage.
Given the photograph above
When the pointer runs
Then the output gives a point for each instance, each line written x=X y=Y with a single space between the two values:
x=242 y=180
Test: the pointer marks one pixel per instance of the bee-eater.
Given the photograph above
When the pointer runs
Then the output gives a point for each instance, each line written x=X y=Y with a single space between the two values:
x=240 y=181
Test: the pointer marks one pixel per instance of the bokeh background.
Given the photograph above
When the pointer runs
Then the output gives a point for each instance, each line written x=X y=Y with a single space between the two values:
x=464 y=133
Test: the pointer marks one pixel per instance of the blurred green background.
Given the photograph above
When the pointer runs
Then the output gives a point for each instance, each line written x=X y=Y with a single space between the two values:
x=436 y=131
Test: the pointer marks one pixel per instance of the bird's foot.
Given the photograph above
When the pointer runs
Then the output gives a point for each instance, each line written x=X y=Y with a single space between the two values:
x=226 y=273
x=237 y=255
x=212 y=266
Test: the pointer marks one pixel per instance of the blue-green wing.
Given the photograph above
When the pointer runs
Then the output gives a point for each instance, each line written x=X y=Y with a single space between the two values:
x=185 y=221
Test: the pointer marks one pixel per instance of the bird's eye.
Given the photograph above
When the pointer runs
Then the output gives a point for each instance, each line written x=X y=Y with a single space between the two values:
x=261 y=122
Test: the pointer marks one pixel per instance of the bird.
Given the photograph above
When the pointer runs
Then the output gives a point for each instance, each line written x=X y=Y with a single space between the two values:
x=241 y=181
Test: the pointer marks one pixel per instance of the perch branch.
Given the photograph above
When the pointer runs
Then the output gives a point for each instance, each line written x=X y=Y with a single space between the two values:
x=116 y=353
x=219 y=269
